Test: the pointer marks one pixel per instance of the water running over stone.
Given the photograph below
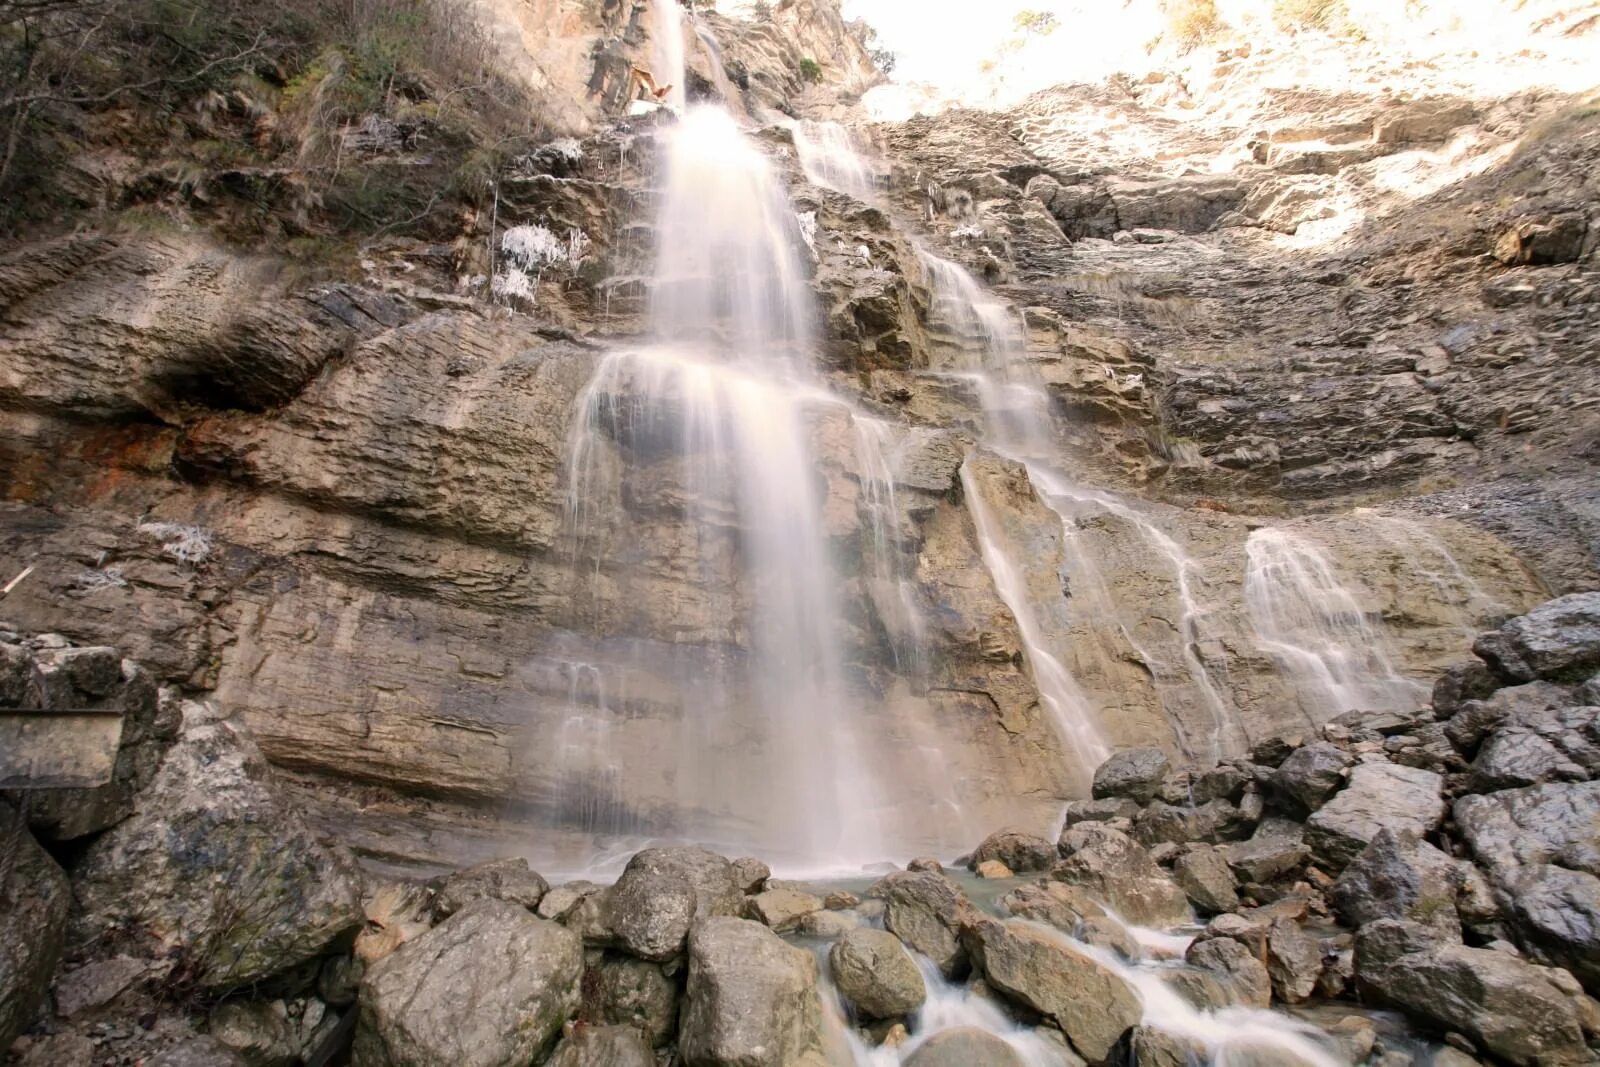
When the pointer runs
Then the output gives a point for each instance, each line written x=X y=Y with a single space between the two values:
x=829 y=158
x=1309 y=620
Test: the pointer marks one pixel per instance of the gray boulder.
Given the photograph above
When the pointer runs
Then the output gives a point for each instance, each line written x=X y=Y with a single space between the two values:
x=619 y=990
x=1399 y=876
x=602 y=1046
x=1056 y=904
x=1135 y=773
x=1108 y=810
x=1311 y=775
x=964 y=1046
x=1477 y=719
x=716 y=887
x=1206 y=879
x=926 y=911
x=1294 y=961
x=491 y=986
x=1052 y=975
x=752 y=999
x=782 y=909
x=509 y=880
x=1541 y=824
x=1516 y=756
x=1559 y=641
x=1460 y=683
x=99 y=678
x=1276 y=849
x=649 y=912
x=1023 y=853
x=217 y=862
x=876 y=974
x=1555 y=914
x=1503 y=1004
x=750 y=874
x=1118 y=872
x=1241 y=972
x=1379 y=795
x=33 y=901
x=563 y=899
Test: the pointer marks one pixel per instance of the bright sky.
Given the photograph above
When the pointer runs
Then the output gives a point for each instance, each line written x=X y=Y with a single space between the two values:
x=946 y=42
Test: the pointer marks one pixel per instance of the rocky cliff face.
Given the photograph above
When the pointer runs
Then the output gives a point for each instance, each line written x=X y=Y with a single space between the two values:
x=343 y=508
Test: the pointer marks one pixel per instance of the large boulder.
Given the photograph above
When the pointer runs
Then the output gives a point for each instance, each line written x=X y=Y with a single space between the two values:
x=217 y=864
x=1554 y=823
x=1311 y=775
x=1475 y=720
x=1379 y=795
x=1399 y=876
x=876 y=974
x=1116 y=870
x=1555 y=914
x=33 y=903
x=1053 y=903
x=1053 y=975
x=602 y=1046
x=1021 y=853
x=1517 y=756
x=1240 y=972
x=491 y=986
x=715 y=883
x=1135 y=773
x=649 y=911
x=1277 y=848
x=62 y=676
x=926 y=910
x=619 y=990
x=1203 y=874
x=752 y=999
x=1294 y=961
x=507 y=879
x=1505 y=1005
x=964 y=1046
x=782 y=909
x=1558 y=641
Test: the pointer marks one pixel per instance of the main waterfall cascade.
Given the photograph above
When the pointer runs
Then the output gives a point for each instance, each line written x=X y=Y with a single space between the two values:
x=714 y=419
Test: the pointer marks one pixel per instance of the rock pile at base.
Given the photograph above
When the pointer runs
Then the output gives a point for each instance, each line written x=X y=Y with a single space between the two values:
x=1443 y=863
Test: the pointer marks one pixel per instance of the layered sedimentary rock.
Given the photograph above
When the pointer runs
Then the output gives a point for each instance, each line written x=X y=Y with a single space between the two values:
x=344 y=509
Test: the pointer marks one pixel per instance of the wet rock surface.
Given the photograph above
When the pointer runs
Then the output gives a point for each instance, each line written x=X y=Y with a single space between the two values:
x=493 y=984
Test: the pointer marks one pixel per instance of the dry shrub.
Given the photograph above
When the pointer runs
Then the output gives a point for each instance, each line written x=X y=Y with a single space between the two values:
x=1192 y=23
x=1293 y=16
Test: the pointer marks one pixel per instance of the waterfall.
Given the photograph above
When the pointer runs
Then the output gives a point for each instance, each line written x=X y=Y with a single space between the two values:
x=1069 y=710
x=774 y=758
x=987 y=349
x=1310 y=622
x=669 y=53
x=1174 y=681
x=829 y=158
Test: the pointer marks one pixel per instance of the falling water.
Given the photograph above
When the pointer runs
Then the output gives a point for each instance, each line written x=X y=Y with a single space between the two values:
x=668 y=48
x=891 y=582
x=1427 y=556
x=1309 y=621
x=1018 y=424
x=829 y=158
x=1070 y=712
x=773 y=758
x=1174 y=681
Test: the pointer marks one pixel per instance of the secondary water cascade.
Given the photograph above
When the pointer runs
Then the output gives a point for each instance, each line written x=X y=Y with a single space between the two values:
x=1308 y=619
